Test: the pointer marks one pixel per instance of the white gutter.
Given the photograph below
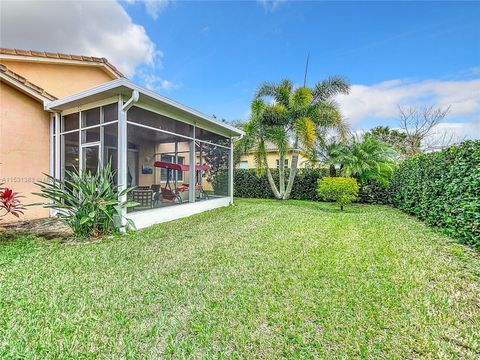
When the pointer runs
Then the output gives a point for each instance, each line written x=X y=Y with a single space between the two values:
x=131 y=101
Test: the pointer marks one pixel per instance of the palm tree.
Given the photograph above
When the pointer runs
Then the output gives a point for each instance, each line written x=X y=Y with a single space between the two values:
x=296 y=118
x=363 y=158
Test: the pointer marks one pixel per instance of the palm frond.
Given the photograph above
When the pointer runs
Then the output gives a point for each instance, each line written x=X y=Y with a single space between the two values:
x=266 y=89
x=279 y=137
x=260 y=155
x=275 y=115
x=326 y=89
x=305 y=129
x=327 y=115
x=301 y=98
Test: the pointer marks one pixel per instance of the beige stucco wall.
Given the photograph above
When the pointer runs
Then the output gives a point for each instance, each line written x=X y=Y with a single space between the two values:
x=24 y=146
x=272 y=160
x=58 y=79
x=24 y=125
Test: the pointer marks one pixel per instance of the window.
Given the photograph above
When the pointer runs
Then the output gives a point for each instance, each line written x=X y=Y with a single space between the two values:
x=110 y=112
x=205 y=135
x=91 y=117
x=171 y=159
x=88 y=143
x=244 y=165
x=285 y=163
x=144 y=117
x=70 y=122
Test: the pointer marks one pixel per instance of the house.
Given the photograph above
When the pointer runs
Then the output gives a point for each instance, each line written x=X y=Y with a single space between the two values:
x=247 y=161
x=60 y=112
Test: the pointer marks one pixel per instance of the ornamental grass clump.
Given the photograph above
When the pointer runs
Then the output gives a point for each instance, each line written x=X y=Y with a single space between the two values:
x=341 y=190
x=88 y=203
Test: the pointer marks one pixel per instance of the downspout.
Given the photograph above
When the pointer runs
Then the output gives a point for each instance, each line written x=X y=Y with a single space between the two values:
x=123 y=148
x=130 y=102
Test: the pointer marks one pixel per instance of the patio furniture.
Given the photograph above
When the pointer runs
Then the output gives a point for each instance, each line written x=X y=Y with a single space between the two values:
x=142 y=196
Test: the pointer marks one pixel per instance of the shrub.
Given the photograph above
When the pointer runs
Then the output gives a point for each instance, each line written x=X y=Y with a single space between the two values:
x=443 y=188
x=342 y=190
x=375 y=192
x=248 y=184
x=87 y=203
x=10 y=203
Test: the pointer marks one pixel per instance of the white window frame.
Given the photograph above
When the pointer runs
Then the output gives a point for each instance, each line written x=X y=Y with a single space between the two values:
x=81 y=128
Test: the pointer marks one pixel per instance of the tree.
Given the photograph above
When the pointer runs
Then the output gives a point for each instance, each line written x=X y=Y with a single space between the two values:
x=363 y=157
x=296 y=119
x=397 y=139
x=419 y=124
x=342 y=190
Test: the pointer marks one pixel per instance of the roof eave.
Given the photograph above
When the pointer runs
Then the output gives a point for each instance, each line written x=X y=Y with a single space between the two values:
x=24 y=88
x=122 y=82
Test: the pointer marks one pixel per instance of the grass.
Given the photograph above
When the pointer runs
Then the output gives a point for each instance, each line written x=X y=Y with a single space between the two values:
x=263 y=279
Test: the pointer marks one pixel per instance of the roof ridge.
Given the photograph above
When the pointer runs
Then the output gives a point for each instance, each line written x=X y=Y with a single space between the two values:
x=39 y=90
x=61 y=56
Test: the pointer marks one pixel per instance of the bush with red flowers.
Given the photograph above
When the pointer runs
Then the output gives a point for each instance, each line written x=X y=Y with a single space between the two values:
x=10 y=203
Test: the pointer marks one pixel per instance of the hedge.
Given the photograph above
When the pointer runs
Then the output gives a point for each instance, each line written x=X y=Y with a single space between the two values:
x=443 y=188
x=247 y=184
x=374 y=192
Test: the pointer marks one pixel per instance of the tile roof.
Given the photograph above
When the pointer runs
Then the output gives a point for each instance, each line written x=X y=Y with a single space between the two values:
x=270 y=147
x=50 y=55
x=35 y=88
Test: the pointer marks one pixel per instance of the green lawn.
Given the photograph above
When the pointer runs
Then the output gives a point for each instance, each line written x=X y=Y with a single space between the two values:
x=263 y=279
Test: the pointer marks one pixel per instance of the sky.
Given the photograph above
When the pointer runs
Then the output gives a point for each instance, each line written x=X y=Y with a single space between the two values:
x=213 y=55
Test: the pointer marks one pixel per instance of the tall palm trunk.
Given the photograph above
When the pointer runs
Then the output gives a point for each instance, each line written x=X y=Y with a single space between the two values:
x=276 y=193
x=293 y=172
x=281 y=173
x=333 y=171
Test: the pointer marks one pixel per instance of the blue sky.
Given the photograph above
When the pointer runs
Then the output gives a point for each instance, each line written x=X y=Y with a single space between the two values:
x=213 y=55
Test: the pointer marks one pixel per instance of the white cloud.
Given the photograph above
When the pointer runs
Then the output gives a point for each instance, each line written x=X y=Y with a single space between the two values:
x=270 y=5
x=380 y=100
x=457 y=131
x=156 y=83
x=153 y=7
x=96 y=28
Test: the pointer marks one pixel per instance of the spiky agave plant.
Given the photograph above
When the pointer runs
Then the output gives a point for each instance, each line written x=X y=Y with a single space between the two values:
x=88 y=203
x=295 y=120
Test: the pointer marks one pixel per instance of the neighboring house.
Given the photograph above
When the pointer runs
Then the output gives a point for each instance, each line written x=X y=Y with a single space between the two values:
x=61 y=112
x=247 y=161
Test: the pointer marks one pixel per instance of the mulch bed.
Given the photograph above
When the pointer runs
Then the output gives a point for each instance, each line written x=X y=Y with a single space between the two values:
x=49 y=228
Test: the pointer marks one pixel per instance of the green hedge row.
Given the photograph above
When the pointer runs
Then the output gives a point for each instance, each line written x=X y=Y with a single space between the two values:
x=443 y=188
x=374 y=192
x=247 y=184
